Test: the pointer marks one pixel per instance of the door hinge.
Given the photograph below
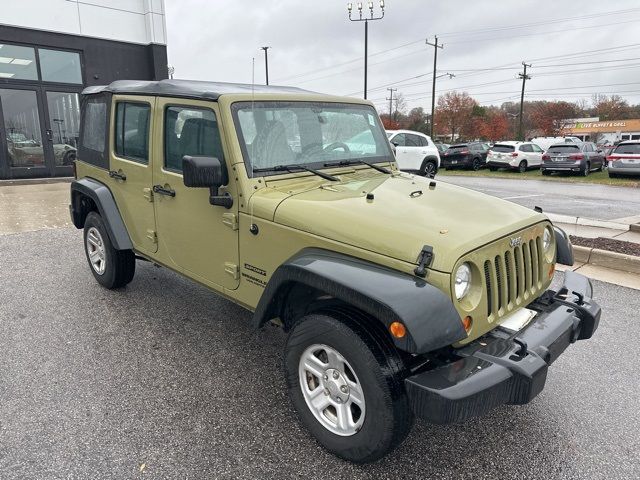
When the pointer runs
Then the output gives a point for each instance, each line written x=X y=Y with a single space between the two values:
x=153 y=236
x=232 y=269
x=148 y=194
x=230 y=220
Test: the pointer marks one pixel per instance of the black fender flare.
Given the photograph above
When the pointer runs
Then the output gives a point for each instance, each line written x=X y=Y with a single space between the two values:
x=387 y=295
x=564 y=249
x=101 y=196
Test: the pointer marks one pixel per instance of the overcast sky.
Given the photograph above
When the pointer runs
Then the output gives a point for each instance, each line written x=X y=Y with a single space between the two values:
x=315 y=46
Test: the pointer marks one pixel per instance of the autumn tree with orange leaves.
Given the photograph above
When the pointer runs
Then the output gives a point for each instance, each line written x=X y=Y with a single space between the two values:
x=454 y=113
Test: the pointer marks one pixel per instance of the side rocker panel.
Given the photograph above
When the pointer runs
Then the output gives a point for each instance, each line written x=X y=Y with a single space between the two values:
x=432 y=321
x=102 y=197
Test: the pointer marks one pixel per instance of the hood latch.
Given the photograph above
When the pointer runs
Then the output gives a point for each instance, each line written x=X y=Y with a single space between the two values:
x=424 y=260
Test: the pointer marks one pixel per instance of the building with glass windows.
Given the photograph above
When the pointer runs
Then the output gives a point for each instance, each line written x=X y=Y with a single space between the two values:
x=49 y=51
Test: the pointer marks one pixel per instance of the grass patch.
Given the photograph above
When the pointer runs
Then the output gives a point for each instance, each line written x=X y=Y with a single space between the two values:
x=601 y=178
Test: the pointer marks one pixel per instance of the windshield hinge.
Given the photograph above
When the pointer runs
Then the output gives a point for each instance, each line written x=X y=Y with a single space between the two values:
x=152 y=236
x=424 y=260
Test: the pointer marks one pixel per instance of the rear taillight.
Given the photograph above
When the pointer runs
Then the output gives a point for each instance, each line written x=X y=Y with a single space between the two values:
x=576 y=156
x=464 y=152
x=514 y=154
x=546 y=157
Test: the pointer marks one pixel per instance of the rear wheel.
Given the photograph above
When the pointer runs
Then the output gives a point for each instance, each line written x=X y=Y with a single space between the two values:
x=428 y=169
x=345 y=384
x=111 y=268
x=522 y=166
x=587 y=168
x=493 y=169
x=546 y=172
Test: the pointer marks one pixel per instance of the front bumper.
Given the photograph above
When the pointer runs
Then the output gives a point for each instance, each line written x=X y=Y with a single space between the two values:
x=505 y=367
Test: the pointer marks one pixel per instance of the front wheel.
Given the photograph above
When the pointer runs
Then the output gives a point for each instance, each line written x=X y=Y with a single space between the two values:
x=476 y=165
x=345 y=384
x=428 y=169
x=111 y=268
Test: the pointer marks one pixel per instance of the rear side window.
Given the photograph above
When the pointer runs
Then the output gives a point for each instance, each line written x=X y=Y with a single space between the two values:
x=190 y=131
x=400 y=140
x=628 y=149
x=132 y=131
x=414 y=140
x=526 y=148
x=568 y=149
x=94 y=130
x=503 y=148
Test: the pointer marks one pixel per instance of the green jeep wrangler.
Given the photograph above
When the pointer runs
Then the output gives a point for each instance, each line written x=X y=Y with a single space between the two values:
x=397 y=303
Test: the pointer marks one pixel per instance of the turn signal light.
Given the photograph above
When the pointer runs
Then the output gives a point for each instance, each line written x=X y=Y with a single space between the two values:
x=398 y=330
x=467 y=322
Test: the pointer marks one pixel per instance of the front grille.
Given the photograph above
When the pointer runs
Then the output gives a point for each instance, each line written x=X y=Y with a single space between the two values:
x=513 y=277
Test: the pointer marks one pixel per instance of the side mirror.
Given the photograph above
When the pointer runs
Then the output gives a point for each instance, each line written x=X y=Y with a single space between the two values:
x=207 y=172
x=395 y=144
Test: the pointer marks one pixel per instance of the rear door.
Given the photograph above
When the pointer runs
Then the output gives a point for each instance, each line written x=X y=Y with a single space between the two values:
x=130 y=169
x=536 y=154
x=194 y=237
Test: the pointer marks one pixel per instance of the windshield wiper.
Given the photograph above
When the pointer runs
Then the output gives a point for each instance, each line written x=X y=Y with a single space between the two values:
x=293 y=168
x=356 y=161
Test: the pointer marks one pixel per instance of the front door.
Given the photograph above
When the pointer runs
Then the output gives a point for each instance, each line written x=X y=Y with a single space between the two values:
x=38 y=131
x=25 y=146
x=194 y=237
x=130 y=168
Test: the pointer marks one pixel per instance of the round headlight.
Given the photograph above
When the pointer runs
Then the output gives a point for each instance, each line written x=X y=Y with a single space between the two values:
x=546 y=239
x=463 y=281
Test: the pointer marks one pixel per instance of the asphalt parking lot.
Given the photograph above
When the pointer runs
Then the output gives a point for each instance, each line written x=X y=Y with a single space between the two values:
x=165 y=380
x=599 y=202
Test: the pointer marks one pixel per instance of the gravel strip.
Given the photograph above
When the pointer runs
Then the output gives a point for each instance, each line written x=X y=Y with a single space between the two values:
x=610 y=244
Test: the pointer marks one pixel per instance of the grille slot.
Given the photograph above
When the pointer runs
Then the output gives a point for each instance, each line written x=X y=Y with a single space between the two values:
x=513 y=277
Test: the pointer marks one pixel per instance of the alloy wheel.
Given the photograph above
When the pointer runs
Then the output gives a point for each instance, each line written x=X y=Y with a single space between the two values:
x=332 y=390
x=96 y=251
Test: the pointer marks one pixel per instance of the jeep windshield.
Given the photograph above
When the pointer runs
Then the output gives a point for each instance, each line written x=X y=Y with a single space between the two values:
x=315 y=135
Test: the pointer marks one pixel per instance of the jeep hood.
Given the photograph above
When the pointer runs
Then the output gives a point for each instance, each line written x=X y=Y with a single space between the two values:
x=404 y=214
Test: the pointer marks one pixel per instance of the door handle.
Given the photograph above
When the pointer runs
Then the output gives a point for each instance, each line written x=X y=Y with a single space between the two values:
x=118 y=175
x=159 y=189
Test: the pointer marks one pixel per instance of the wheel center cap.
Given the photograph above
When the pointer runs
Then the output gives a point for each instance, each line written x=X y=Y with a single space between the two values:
x=336 y=385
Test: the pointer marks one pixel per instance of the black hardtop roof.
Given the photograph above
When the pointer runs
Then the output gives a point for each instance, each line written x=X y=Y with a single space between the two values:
x=186 y=88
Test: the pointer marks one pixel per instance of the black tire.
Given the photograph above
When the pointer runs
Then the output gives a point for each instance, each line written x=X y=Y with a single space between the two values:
x=120 y=265
x=493 y=169
x=585 y=171
x=429 y=168
x=476 y=165
x=522 y=166
x=546 y=172
x=375 y=363
x=614 y=175
x=69 y=158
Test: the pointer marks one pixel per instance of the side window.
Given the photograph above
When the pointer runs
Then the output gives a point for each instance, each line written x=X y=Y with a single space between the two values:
x=132 y=131
x=536 y=148
x=413 y=140
x=588 y=147
x=93 y=130
x=526 y=148
x=190 y=131
x=399 y=140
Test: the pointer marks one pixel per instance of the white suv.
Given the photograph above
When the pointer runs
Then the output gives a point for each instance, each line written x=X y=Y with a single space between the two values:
x=520 y=156
x=415 y=152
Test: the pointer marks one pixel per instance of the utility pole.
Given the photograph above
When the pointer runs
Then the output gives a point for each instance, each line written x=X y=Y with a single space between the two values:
x=366 y=19
x=435 y=46
x=391 y=90
x=266 y=63
x=524 y=78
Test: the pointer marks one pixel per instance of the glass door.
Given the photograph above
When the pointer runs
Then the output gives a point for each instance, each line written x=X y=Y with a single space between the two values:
x=63 y=125
x=23 y=138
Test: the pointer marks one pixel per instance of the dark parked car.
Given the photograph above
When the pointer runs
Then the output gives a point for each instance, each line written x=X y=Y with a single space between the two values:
x=468 y=155
x=577 y=158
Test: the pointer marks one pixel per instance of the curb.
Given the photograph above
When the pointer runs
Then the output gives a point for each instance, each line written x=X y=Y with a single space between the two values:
x=36 y=181
x=586 y=222
x=604 y=258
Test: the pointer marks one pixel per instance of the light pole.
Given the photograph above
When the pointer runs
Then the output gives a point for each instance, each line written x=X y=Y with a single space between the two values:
x=435 y=46
x=266 y=63
x=365 y=18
